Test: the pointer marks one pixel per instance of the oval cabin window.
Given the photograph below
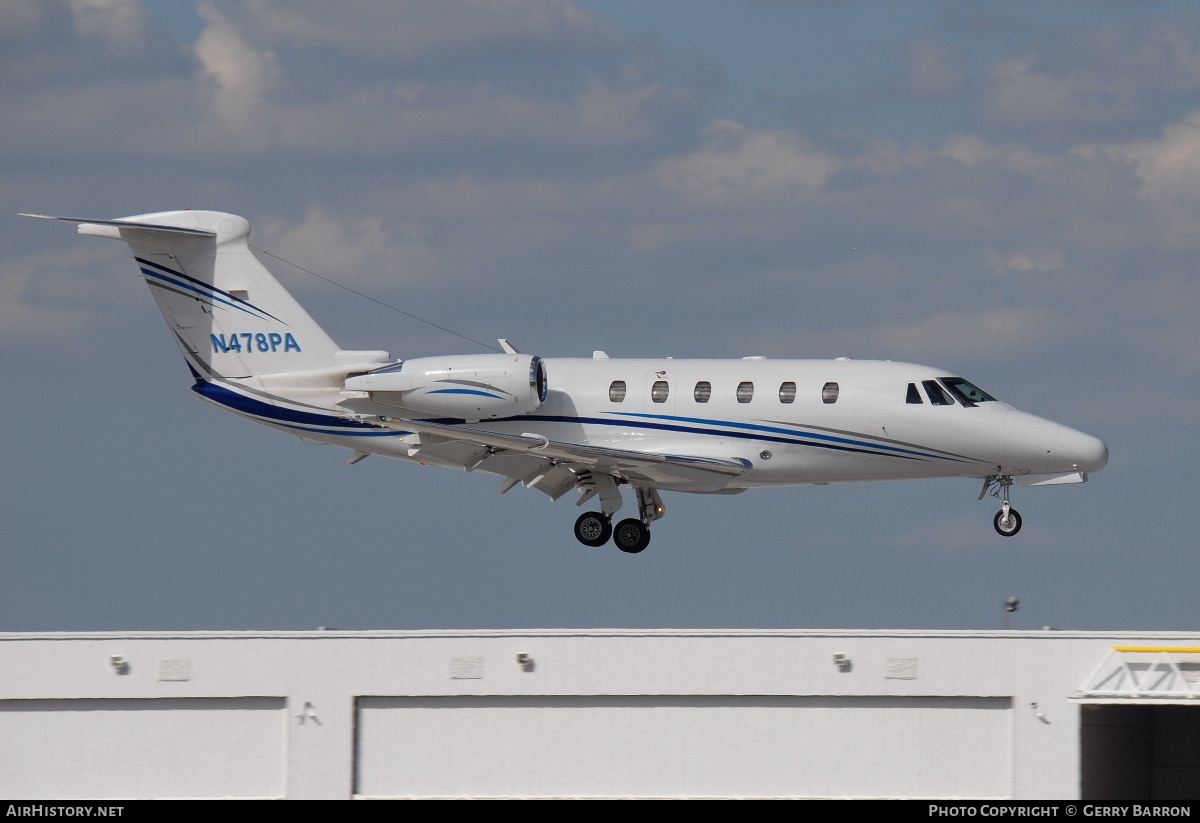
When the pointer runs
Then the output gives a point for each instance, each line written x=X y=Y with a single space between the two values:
x=659 y=391
x=745 y=392
x=787 y=392
x=616 y=391
x=829 y=393
x=703 y=391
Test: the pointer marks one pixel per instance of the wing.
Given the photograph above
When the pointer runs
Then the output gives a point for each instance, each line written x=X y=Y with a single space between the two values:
x=555 y=467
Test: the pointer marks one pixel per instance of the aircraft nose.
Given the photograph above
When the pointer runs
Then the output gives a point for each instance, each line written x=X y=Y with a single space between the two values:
x=1091 y=452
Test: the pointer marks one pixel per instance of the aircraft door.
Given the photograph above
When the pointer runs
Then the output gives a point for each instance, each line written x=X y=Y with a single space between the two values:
x=661 y=391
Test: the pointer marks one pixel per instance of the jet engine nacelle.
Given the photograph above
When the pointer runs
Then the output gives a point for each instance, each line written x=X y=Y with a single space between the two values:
x=467 y=387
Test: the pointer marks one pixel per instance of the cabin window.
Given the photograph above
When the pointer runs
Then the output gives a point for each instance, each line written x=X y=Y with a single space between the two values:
x=914 y=396
x=937 y=396
x=829 y=393
x=659 y=391
x=616 y=391
x=787 y=392
x=745 y=392
x=703 y=391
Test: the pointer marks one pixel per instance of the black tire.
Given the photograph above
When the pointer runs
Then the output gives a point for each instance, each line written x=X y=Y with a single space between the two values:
x=1011 y=527
x=593 y=529
x=631 y=536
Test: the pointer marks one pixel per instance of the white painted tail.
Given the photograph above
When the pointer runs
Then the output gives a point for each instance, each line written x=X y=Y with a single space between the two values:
x=228 y=313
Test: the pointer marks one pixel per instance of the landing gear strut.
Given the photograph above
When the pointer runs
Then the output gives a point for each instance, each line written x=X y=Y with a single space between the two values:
x=1007 y=521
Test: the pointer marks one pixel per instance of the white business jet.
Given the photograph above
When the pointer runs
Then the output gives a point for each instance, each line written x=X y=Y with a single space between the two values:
x=590 y=424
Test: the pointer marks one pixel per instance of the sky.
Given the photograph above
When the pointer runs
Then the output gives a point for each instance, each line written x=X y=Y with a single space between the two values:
x=1009 y=191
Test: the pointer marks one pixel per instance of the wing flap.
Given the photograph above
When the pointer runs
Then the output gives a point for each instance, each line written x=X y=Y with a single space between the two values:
x=648 y=468
x=673 y=471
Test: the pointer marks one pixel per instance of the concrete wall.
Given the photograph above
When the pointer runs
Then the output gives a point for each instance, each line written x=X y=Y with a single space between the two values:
x=547 y=713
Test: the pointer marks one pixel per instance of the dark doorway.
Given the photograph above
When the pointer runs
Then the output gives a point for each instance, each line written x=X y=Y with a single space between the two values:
x=1140 y=752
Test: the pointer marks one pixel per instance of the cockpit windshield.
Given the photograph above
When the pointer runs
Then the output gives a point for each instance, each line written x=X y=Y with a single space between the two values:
x=968 y=393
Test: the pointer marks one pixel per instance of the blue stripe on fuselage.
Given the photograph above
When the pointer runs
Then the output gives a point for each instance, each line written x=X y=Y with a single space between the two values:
x=794 y=440
x=808 y=434
x=290 y=418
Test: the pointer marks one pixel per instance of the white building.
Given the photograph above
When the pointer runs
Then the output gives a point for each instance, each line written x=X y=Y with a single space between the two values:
x=600 y=713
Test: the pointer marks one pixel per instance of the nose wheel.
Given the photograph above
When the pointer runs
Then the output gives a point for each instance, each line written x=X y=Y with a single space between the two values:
x=1007 y=521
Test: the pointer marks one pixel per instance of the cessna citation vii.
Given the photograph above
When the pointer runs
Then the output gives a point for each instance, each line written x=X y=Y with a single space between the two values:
x=595 y=425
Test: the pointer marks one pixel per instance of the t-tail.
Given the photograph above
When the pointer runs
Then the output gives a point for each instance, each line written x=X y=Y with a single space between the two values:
x=229 y=315
x=250 y=346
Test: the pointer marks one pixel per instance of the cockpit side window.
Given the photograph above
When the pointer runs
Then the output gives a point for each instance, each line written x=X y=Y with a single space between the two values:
x=937 y=395
x=965 y=391
x=913 y=398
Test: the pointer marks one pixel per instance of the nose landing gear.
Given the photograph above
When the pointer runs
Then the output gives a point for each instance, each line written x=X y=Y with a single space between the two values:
x=1007 y=521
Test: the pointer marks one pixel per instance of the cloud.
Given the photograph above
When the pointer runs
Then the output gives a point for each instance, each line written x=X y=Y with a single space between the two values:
x=980 y=336
x=57 y=295
x=443 y=31
x=739 y=165
x=424 y=80
x=1019 y=94
x=240 y=75
x=974 y=149
x=1168 y=169
x=352 y=251
x=930 y=68
x=119 y=22
x=1116 y=78
x=1039 y=260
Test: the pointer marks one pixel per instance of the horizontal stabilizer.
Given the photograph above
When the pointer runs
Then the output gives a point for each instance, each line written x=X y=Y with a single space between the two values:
x=123 y=224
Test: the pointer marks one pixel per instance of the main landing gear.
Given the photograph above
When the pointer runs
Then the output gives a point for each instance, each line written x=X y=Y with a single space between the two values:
x=631 y=535
x=594 y=529
x=1007 y=521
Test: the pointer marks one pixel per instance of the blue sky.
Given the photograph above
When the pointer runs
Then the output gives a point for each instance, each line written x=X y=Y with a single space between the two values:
x=1008 y=191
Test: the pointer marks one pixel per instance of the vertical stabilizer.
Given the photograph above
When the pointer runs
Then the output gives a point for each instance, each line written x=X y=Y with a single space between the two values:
x=228 y=313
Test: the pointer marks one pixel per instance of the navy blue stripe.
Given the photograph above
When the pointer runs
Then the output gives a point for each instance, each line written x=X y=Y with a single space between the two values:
x=756 y=427
x=289 y=417
x=465 y=391
x=200 y=292
x=600 y=421
x=237 y=304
